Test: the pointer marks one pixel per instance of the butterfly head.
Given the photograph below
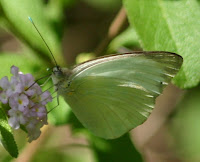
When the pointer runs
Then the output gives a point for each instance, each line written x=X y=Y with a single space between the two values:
x=57 y=75
x=57 y=72
x=60 y=76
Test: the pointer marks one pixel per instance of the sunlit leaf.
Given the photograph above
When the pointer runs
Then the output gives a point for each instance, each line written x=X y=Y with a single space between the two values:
x=6 y=136
x=169 y=26
x=16 y=19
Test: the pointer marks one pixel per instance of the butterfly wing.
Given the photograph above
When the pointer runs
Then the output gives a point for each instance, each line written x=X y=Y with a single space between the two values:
x=114 y=94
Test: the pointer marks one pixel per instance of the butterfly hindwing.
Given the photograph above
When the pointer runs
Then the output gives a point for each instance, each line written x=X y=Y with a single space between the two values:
x=114 y=94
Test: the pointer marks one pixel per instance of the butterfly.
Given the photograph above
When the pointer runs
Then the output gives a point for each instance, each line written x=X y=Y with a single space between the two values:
x=113 y=94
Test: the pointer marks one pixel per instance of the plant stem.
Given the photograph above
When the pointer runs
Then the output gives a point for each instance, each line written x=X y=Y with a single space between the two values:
x=115 y=28
x=29 y=151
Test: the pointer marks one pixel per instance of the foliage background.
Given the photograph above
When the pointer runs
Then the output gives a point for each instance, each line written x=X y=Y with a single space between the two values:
x=77 y=30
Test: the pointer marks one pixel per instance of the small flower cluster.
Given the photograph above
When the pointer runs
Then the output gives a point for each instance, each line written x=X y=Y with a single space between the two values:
x=26 y=101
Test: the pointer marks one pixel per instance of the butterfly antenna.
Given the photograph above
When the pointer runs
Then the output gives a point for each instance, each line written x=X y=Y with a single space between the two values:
x=31 y=20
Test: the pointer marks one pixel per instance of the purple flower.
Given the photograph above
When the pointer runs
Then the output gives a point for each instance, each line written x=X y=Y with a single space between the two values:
x=15 y=71
x=45 y=97
x=39 y=111
x=4 y=85
x=27 y=80
x=33 y=133
x=27 y=102
x=16 y=118
x=15 y=86
x=21 y=101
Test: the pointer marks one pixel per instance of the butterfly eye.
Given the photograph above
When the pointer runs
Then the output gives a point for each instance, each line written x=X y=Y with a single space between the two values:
x=58 y=68
x=48 y=69
x=57 y=71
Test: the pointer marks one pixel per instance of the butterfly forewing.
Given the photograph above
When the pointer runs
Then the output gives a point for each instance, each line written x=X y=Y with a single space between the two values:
x=114 y=94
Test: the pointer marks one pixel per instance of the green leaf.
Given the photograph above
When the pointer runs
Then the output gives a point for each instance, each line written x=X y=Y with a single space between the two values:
x=65 y=153
x=169 y=26
x=128 y=39
x=15 y=14
x=104 y=4
x=82 y=57
x=185 y=127
x=25 y=64
x=56 y=9
x=60 y=114
x=7 y=138
x=121 y=149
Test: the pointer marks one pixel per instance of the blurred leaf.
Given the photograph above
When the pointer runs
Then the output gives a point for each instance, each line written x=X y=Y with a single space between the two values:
x=121 y=149
x=185 y=126
x=67 y=3
x=23 y=128
x=128 y=39
x=59 y=115
x=66 y=153
x=6 y=136
x=169 y=26
x=56 y=14
x=104 y=4
x=49 y=155
x=82 y=57
x=75 y=123
x=56 y=8
x=25 y=64
x=16 y=19
x=7 y=158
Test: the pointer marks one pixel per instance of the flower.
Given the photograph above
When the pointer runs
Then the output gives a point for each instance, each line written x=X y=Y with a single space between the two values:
x=27 y=102
x=19 y=100
x=16 y=118
x=15 y=84
x=27 y=80
x=14 y=70
x=45 y=97
x=4 y=85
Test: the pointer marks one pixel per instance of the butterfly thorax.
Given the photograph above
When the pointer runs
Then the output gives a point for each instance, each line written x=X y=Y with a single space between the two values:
x=60 y=78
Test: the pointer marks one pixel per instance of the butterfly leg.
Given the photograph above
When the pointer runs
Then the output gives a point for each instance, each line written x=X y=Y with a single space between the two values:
x=56 y=105
x=39 y=80
x=45 y=81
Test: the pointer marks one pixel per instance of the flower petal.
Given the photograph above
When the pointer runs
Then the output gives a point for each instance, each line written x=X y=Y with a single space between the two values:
x=14 y=70
x=4 y=83
x=13 y=122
